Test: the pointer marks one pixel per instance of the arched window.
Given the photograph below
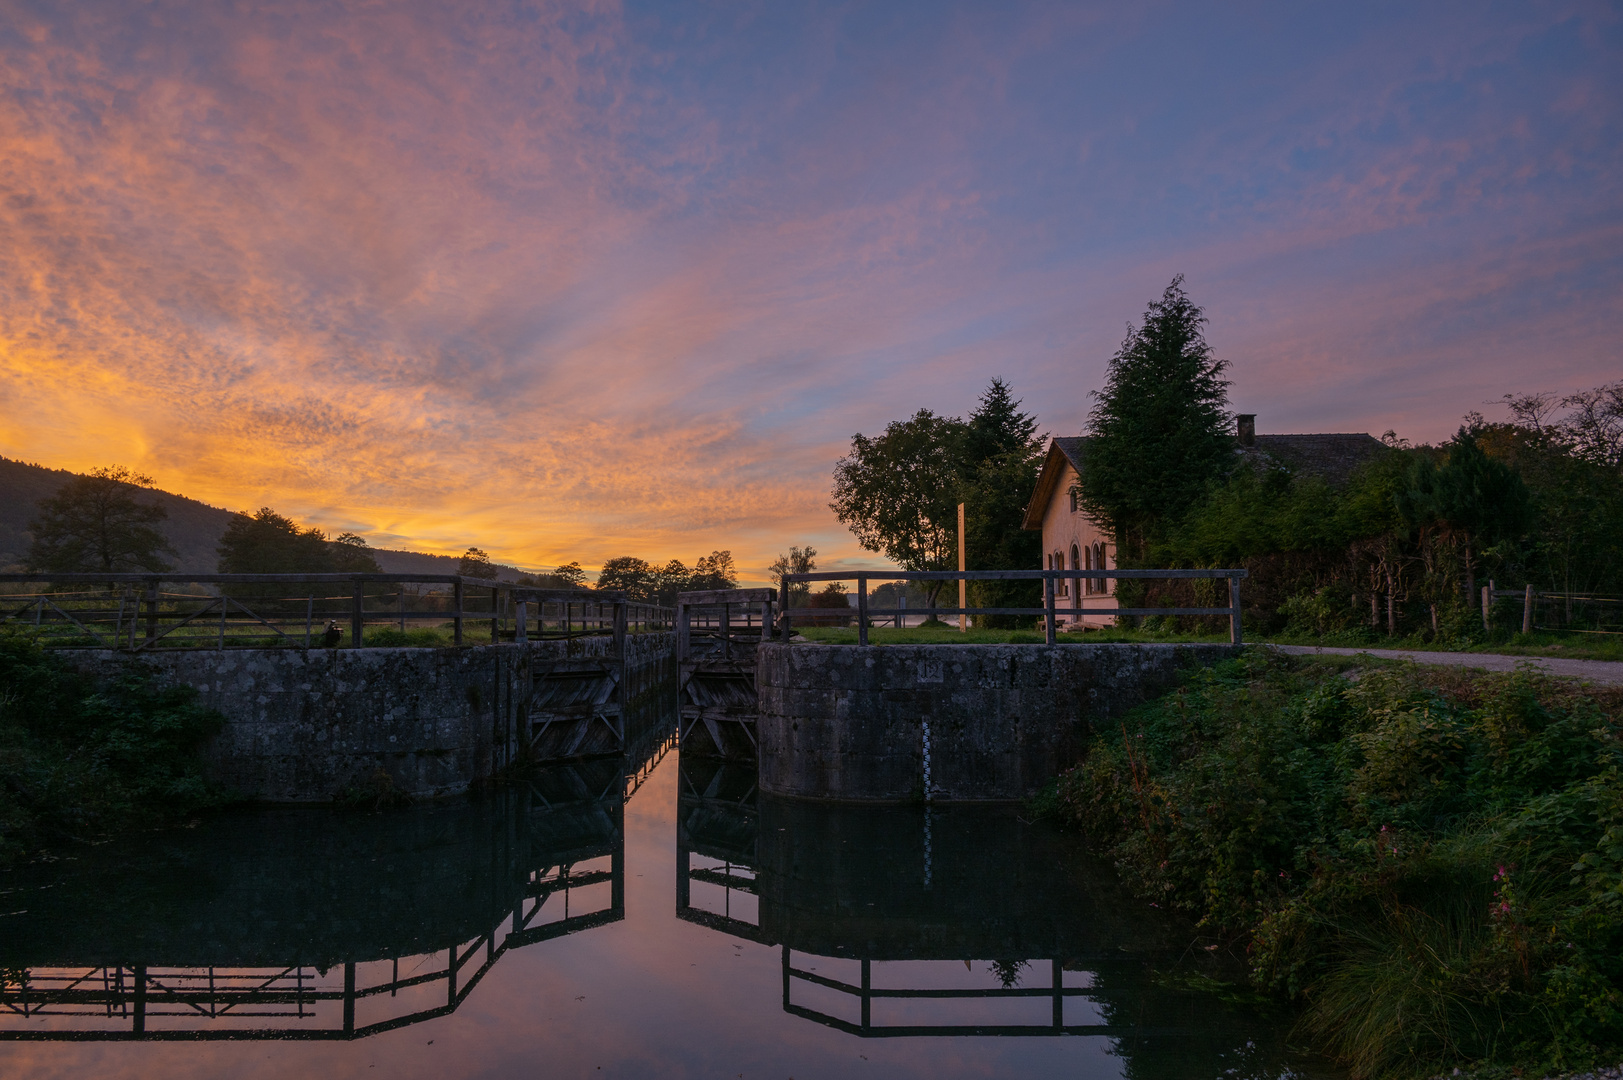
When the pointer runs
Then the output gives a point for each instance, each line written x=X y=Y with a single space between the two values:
x=1076 y=564
x=1099 y=562
x=1087 y=564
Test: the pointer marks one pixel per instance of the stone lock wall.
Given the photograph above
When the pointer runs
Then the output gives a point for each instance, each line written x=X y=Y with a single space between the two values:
x=841 y=722
x=304 y=725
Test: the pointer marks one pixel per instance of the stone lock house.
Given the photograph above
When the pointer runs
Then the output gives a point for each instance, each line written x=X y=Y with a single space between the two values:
x=1072 y=541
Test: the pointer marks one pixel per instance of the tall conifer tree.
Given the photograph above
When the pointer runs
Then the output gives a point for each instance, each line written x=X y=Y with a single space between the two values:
x=1160 y=426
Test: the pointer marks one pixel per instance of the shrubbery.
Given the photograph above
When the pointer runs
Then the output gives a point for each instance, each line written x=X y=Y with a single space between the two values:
x=1431 y=863
x=79 y=761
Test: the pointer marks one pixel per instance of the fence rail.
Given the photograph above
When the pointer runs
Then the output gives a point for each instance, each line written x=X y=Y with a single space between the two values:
x=1564 y=612
x=145 y=612
x=1050 y=612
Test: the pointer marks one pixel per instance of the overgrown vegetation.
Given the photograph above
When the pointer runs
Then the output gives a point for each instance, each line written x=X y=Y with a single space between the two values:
x=78 y=761
x=1429 y=862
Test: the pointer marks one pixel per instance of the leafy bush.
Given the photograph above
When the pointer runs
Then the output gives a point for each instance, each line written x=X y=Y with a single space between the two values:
x=80 y=760
x=1432 y=864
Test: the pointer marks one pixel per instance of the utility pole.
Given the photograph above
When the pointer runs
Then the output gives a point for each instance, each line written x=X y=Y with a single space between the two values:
x=963 y=586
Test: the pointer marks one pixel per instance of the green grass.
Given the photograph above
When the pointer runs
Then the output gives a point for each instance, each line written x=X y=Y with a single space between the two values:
x=1539 y=643
x=843 y=635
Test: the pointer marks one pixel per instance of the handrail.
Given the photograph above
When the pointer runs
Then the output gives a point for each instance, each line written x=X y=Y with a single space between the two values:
x=134 y=612
x=1050 y=611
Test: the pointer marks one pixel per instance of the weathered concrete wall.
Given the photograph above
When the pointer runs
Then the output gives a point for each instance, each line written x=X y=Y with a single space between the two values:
x=840 y=722
x=302 y=726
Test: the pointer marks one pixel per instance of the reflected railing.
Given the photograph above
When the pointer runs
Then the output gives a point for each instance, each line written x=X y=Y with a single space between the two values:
x=565 y=837
x=716 y=836
x=889 y=922
x=1046 y=1008
x=351 y=1001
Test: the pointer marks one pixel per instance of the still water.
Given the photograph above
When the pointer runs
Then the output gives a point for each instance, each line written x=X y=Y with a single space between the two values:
x=644 y=917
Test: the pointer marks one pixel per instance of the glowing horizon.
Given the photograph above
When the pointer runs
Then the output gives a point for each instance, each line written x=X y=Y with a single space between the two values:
x=569 y=283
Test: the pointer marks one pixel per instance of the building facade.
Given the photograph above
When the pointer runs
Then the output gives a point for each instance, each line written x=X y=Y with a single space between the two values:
x=1071 y=541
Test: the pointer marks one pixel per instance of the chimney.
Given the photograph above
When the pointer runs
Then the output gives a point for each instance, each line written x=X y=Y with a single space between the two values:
x=1246 y=428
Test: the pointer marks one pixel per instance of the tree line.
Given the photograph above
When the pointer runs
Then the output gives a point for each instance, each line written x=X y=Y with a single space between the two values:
x=1400 y=547
x=99 y=523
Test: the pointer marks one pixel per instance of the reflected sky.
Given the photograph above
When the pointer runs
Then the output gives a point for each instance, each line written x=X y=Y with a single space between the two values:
x=654 y=994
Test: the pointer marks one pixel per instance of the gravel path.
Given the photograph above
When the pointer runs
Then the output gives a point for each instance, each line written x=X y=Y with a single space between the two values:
x=1598 y=1074
x=1609 y=672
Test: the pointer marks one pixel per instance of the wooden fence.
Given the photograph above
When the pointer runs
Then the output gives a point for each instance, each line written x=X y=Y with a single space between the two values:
x=142 y=612
x=1566 y=612
x=1050 y=612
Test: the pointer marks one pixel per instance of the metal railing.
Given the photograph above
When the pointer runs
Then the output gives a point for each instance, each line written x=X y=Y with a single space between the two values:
x=145 y=612
x=1050 y=612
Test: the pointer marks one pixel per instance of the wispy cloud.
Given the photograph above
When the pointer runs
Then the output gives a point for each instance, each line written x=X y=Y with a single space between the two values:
x=577 y=281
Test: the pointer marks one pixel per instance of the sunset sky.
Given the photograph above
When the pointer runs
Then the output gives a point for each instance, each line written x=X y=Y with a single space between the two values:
x=577 y=281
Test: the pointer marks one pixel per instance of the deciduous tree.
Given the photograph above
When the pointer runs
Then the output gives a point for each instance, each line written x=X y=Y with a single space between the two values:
x=899 y=492
x=475 y=562
x=715 y=571
x=800 y=560
x=570 y=576
x=350 y=554
x=635 y=576
x=268 y=543
x=97 y=523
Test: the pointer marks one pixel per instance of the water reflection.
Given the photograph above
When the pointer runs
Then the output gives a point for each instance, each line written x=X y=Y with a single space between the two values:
x=950 y=921
x=309 y=924
x=804 y=935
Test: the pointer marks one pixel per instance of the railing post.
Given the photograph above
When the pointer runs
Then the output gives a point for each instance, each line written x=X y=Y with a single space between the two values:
x=1234 y=611
x=1048 y=603
x=495 y=617
x=356 y=613
x=521 y=621
x=349 y=996
x=682 y=619
x=1527 y=611
x=456 y=619
x=862 y=610
x=783 y=609
x=620 y=631
x=152 y=611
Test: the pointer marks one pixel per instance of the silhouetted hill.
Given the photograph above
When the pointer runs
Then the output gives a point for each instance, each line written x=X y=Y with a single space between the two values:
x=194 y=528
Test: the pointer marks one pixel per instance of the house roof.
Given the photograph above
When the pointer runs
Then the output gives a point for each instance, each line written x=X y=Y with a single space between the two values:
x=1061 y=452
x=1332 y=455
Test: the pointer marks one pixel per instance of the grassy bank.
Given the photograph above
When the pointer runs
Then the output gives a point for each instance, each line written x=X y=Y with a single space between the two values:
x=1430 y=862
x=920 y=635
x=83 y=762
x=1553 y=643
x=1541 y=643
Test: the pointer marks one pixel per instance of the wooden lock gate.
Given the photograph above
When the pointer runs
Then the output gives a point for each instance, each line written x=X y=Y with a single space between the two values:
x=576 y=706
x=717 y=633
